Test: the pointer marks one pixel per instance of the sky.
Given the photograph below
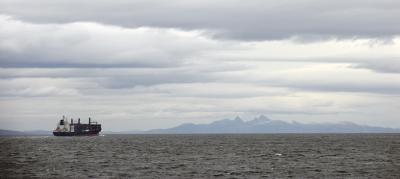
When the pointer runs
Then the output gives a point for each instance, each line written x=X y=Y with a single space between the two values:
x=146 y=64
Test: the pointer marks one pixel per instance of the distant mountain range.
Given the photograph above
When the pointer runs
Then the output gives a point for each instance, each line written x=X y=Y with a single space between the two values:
x=263 y=124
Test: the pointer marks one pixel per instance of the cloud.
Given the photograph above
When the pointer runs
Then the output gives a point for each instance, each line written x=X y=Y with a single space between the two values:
x=93 y=45
x=256 y=20
x=44 y=91
x=381 y=65
x=339 y=78
x=154 y=75
x=42 y=87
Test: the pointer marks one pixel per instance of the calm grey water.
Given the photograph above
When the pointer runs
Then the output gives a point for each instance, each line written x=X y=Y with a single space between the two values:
x=202 y=156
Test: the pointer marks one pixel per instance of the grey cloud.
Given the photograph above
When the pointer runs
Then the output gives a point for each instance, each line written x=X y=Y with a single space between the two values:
x=188 y=82
x=114 y=78
x=92 y=45
x=390 y=65
x=39 y=87
x=39 y=92
x=387 y=85
x=379 y=65
x=244 y=20
x=152 y=64
x=322 y=77
x=152 y=79
x=346 y=87
x=24 y=62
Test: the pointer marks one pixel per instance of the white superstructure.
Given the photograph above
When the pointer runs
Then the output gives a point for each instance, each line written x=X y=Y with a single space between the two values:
x=63 y=125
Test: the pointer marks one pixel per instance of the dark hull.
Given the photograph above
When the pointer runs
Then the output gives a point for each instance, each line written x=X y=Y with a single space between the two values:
x=89 y=133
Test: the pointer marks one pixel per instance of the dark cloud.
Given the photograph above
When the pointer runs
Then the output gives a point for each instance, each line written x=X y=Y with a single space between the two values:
x=93 y=45
x=390 y=65
x=152 y=79
x=244 y=20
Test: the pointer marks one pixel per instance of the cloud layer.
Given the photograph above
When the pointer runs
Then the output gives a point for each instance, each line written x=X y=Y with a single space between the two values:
x=250 y=20
x=154 y=65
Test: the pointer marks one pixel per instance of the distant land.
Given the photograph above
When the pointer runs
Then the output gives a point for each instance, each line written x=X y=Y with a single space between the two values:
x=24 y=133
x=261 y=124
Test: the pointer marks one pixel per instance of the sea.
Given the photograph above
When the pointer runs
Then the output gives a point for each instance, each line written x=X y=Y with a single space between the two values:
x=202 y=156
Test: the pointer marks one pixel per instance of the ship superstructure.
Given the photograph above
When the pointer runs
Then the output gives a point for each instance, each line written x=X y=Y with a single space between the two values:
x=65 y=128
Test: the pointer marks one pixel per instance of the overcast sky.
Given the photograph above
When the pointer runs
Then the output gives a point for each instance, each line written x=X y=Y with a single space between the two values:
x=137 y=65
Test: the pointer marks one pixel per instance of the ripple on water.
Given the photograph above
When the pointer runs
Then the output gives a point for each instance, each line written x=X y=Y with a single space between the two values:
x=202 y=156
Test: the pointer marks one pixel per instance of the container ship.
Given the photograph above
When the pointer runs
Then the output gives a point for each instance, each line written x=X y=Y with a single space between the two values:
x=65 y=128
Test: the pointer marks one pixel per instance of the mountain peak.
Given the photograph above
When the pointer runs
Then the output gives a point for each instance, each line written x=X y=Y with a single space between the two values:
x=263 y=118
x=260 y=120
x=237 y=118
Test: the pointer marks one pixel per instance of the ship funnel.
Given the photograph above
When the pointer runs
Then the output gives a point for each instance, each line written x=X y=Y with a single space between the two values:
x=89 y=120
x=79 y=120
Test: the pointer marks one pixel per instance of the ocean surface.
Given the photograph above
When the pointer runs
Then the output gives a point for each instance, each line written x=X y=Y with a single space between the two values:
x=202 y=156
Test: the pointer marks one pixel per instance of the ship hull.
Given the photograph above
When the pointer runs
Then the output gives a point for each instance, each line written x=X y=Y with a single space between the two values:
x=89 y=133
